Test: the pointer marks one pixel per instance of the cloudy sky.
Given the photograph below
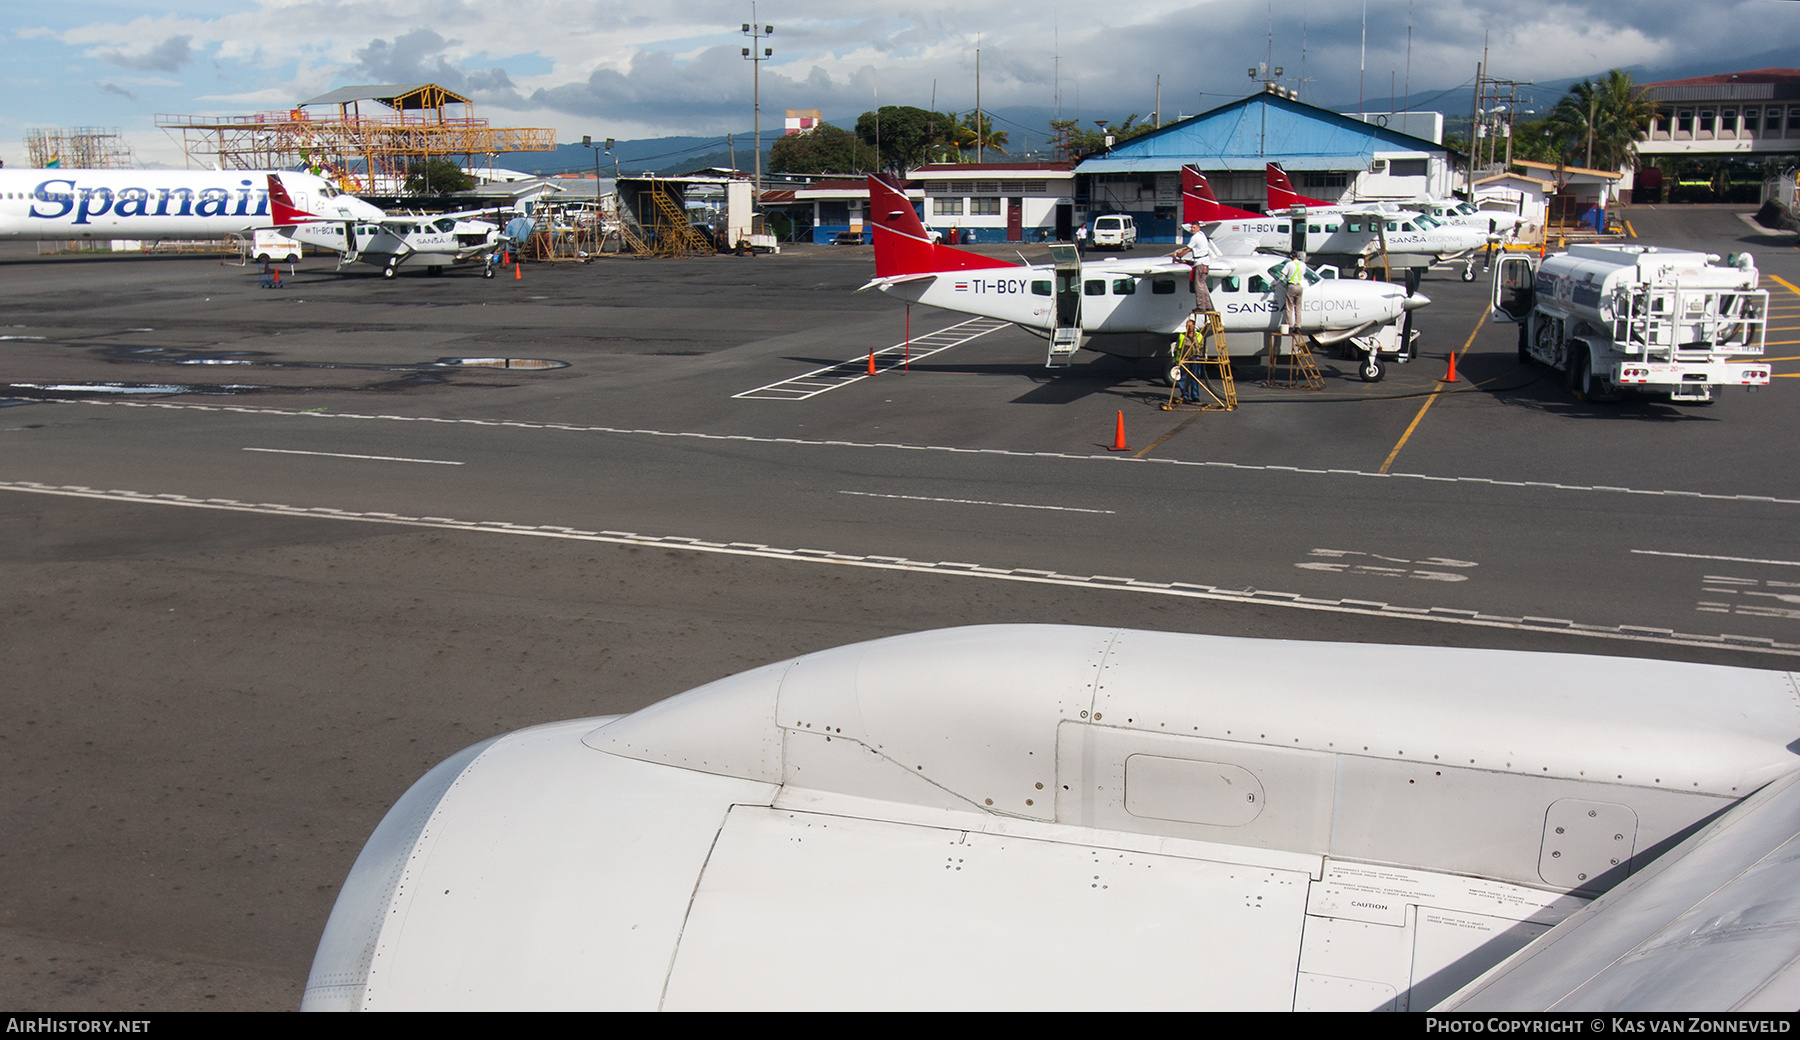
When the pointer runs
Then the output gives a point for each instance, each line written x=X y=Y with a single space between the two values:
x=629 y=70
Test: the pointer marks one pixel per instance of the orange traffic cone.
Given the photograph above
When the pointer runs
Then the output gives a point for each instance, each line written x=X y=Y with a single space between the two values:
x=1451 y=378
x=1119 y=435
x=518 y=276
x=871 y=362
x=505 y=257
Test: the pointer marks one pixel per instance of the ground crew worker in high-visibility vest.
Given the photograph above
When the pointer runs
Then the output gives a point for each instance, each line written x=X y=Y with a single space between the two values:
x=1293 y=273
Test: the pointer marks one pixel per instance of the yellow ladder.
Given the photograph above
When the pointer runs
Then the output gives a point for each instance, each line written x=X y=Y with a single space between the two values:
x=1199 y=349
x=1302 y=371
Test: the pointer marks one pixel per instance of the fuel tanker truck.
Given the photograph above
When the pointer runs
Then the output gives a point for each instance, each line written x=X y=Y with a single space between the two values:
x=1666 y=322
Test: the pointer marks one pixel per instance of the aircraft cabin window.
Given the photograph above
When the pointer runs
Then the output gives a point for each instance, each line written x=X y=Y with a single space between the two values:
x=1408 y=226
x=1124 y=286
x=1283 y=228
x=1392 y=226
x=1258 y=284
x=1355 y=229
x=1162 y=286
x=1331 y=229
x=1312 y=229
x=445 y=225
x=1040 y=288
x=1230 y=284
x=1094 y=288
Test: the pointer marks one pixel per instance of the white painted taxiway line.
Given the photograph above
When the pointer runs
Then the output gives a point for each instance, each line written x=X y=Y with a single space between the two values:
x=979 y=502
x=1727 y=559
x=1186 y=590
x=342 y=455
x=894 y=446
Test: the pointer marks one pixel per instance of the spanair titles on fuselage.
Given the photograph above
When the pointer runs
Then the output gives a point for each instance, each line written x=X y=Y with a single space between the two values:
x=152 y=204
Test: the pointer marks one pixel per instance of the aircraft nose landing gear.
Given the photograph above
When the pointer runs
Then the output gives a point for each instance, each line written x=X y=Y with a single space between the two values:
x=1371 y=368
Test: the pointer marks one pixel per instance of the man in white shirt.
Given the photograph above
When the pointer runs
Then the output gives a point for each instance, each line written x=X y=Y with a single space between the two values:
x=1198 y=247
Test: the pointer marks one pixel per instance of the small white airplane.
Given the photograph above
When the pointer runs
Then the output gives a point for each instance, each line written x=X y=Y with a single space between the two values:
x=1053 y=817
x=1134 y=308
x=1401 y=215
x=1358 y=235
x=1500 y=227
x=158 y=204
x=433 y=242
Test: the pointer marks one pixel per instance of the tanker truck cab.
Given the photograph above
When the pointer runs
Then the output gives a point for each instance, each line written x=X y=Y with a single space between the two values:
x=1666 y=322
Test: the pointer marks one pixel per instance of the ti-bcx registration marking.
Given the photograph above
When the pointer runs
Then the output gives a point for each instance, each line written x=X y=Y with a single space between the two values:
x=995 y=286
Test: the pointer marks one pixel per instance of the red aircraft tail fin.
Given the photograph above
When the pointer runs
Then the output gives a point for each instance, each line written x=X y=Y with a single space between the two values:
x=1200 y=206
x=903 y=246
x=1281 y=191
x=281 y=206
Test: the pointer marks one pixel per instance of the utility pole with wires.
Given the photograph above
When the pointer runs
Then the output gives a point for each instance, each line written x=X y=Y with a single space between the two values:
x=756 y=54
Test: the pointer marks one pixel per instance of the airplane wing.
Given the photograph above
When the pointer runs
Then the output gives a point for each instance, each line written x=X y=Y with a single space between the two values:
x=973 y=817
x=1714 y=924
x=896 y=279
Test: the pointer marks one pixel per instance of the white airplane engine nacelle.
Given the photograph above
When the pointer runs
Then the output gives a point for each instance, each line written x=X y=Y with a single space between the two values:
x=970 y=817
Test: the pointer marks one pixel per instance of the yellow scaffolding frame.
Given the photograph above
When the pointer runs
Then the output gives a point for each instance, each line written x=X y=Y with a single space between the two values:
x=1201 y=348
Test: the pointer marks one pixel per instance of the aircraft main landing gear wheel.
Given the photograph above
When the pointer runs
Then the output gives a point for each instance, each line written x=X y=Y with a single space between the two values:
x=1169 y=370
x=388 y=271
x=1371 y=368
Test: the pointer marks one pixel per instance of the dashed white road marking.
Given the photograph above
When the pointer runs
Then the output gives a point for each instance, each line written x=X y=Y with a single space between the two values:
x=1725 y=559
x=342 y=455
x=979 y=502
x=1187 y=590
x=745 y=438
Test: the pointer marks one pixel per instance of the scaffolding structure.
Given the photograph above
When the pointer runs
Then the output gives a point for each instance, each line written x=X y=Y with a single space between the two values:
x=566 y=231
x=671 y=232
x=365 y=152
x=78 y=148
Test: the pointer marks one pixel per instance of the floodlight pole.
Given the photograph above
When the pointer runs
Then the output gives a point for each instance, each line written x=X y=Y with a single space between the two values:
x=756 y=54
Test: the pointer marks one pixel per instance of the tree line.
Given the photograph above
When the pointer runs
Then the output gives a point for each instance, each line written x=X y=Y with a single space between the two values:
x=892 y=138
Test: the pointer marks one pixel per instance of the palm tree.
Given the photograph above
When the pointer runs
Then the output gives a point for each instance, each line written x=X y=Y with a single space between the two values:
x=968 y=135
x=1602 y=120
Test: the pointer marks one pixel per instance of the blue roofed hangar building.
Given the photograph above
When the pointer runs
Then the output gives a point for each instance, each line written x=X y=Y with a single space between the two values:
x=1328 y=155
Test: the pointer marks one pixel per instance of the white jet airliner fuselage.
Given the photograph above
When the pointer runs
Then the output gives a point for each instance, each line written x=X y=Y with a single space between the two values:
x=156 y=204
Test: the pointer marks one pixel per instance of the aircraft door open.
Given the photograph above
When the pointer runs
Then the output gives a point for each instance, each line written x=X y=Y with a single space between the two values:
x=1065 y=337
x=1297 y=243
x=1515 y=287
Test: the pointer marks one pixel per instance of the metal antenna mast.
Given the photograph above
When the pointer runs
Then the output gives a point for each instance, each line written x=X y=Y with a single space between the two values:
x=756 y=54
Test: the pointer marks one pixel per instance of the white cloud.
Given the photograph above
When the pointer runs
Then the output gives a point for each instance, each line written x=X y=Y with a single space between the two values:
x=632 y=69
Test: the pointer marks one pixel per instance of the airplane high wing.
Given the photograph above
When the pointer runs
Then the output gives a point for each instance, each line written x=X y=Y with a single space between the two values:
x=1054 y=817
x=1132 y=307
x=389 y=240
